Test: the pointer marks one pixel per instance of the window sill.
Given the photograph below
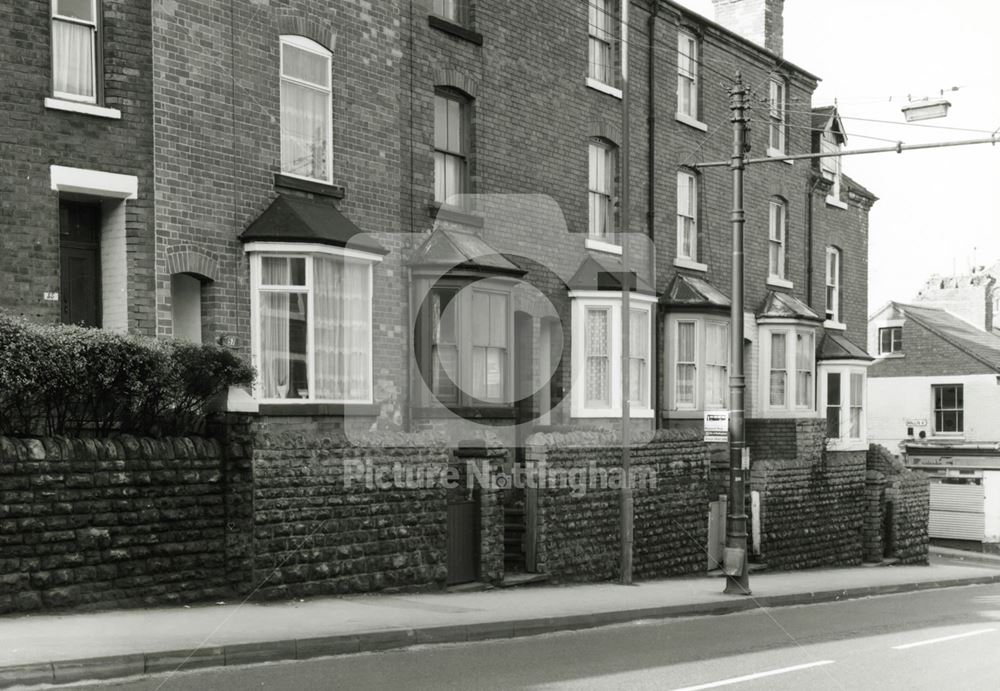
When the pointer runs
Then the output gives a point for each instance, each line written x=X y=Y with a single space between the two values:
x=602 y=246
x=685 y=263
x=603 y=88
x=833 y=201
x=85 y=108
x=834 y=325
x=443 y=212
x=452 y=29
x=691 y=122
x=323 y=189
x=682 y=414
x=468 y=412
x=776 y=153
x=308 y=408
x=891 y=356
x=778 y=282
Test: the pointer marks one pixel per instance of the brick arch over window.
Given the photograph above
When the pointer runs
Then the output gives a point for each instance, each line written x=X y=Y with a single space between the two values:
x=455 y=79
x=195 y=262
x=314 y=31
x=610 y=132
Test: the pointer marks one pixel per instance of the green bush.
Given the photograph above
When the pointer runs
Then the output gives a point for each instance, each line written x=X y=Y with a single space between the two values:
x=72 y=380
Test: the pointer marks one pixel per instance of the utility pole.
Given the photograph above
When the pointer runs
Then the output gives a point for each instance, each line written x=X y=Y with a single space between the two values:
x=627 y=508
x=735 y=560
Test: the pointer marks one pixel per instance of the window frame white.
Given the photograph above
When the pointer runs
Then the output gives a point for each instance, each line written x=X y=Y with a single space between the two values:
x=602 y=35
x=935 y=432
x=461 y=154
x=831 y=168
x=892 y=329
x=688 y=80
x=255 y=251
x=702 y=321
x=581 y=301
x=833 y=284
x=777 y=116
x=687 y=222
x=790 y=408
x=847 y=370
x=308 y=45
x=95 y=48
x=777 y=234
x=458 y=13
x=608 y=151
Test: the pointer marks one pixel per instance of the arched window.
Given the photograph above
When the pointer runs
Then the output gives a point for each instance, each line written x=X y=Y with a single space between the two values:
x=306 y=106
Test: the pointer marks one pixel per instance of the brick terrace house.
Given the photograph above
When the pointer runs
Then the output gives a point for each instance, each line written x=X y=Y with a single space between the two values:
x=408 y=214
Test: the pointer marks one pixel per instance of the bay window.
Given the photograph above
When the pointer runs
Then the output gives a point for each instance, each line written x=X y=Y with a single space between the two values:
x=464 y=342
x=596 y=354
x=306 y=106
x=788 y=366
x=312 y=323
x=75 y=50
x=697 y=373
x=843 y=392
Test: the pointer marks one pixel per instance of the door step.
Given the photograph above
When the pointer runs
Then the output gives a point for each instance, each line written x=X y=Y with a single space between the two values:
x=512 y=580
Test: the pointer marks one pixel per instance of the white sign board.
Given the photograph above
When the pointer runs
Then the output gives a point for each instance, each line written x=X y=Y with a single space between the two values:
x=911 y=422
x=717 y=426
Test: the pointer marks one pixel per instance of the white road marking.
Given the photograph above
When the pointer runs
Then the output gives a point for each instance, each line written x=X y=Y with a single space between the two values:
x=942 y=639
x=758 y=675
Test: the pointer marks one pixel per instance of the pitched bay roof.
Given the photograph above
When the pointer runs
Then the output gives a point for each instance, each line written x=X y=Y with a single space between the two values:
x=297 y=219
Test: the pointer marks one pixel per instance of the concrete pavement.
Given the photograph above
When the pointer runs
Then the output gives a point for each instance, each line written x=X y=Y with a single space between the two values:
x=63 y=648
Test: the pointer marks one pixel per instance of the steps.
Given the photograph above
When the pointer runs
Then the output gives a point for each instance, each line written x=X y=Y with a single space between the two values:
x=513 y=538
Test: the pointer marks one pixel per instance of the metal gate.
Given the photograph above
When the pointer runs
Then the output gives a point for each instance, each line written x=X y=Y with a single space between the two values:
x=463 y=541
x=957 y=511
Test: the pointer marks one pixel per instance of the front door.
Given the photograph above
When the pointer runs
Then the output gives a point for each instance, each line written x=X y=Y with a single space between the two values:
x=79 y=263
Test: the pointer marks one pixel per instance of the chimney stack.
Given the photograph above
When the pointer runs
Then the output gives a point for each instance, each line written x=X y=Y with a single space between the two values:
x=757 y=20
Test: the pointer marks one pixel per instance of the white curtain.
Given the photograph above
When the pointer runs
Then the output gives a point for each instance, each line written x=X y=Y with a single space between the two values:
x=274 y=365
x=779 y=370
x=73 y=59
x=638 y=340
x=685 y=391
x=342 y=334
x=598 y=380
x=304 y=130
x=717 y=364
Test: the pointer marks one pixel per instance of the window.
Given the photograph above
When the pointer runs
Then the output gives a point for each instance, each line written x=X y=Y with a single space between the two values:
x=776 y=117
x=600 y=187
x=804 y=355
x=597 y=351
x=684 y=393
x=776 y=245
x=312 y=326
x=687 y=216
x=687 y=75
x=450 y=148
x=890 y=340
x=75 y=50
x=467 y=336
x=949 y=409
x=788 y=365
x=830 y=166
x=843 y=392
x=601 y=23
x=697 y=376
x=452 y=10
x=833 y=284
x=306 y=125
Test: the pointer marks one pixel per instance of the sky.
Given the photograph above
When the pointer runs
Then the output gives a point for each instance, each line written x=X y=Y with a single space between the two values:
x=939 y=209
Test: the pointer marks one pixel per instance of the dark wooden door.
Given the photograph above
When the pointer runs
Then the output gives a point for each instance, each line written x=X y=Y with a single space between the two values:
x=463 y=541
x=79 y=263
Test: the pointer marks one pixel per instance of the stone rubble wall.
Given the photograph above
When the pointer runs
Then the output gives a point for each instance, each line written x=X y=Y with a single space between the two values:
x=578 y=532
x=812 y=500
x=123 y=522
x=907 y=492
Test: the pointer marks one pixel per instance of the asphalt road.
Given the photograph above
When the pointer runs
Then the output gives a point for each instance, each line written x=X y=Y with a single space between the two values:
x=936 y=639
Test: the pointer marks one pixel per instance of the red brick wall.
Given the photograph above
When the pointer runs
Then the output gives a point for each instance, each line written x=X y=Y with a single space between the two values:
x=925 y=352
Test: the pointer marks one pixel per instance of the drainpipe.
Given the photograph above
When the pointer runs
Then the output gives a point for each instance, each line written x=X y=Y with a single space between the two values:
x=811 y=186
x=651 y=208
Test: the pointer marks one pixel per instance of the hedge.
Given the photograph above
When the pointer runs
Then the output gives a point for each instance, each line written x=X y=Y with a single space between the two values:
x=71 y=380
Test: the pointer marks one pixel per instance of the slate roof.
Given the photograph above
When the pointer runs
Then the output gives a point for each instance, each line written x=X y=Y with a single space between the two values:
x=856 y=187
x=453 y=249
x=296 y=219
x=693 y=292
x=605 y=274
x=835 y=346
x=981 y=345
x=784 y=306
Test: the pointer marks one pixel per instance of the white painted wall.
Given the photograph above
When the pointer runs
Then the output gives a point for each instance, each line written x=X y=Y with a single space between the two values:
x=114 y=272
x=991 y=505
x=893 y=400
